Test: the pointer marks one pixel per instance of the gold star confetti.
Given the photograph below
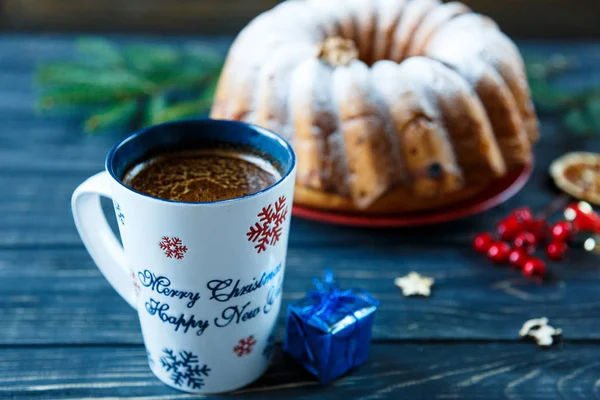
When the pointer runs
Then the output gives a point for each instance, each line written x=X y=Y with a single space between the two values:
x=540 y=331
x=414 y=284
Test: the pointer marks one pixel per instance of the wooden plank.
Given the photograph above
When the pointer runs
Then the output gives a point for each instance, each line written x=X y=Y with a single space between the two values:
x=394 y=371
x=26 y=49
x=525 y=18
x=55 y=296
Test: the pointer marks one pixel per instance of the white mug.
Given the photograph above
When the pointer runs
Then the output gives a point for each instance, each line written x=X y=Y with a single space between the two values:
x=205 y=278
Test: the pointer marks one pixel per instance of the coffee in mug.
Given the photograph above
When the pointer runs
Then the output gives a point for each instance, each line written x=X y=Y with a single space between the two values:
x=214 y=172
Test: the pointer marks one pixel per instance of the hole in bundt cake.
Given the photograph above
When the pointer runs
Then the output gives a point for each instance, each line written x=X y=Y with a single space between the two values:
x=337 y=51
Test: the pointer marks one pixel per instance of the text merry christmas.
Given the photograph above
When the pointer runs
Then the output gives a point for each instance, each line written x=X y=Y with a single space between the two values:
x=161 y=286
x=225 y=290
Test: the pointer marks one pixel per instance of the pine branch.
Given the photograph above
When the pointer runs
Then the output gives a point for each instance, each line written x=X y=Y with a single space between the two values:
x=118 y=114
x=155 y=106
x=130 y=86
x=76 y=75
x=579 y=109
x=182 y=110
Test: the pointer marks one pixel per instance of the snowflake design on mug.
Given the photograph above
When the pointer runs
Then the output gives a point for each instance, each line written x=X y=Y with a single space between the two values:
x=244 y=346
x=173 y=247
x=120 y=215
x=267 y=231
x=136 y=286
x=185 y=368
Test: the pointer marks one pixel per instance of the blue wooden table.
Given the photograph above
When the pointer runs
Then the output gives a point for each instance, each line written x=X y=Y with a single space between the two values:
x=64 y=333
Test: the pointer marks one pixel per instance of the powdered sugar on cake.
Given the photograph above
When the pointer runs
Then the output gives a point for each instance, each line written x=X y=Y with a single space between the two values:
x=359 y=130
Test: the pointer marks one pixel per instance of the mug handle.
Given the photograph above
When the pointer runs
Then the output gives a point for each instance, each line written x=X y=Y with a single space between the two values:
x=98 y=237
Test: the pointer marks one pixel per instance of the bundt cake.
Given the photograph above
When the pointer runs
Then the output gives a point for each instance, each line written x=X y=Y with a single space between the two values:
x=391 y=105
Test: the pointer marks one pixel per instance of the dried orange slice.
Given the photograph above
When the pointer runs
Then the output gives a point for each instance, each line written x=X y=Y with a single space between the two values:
x=578 y=174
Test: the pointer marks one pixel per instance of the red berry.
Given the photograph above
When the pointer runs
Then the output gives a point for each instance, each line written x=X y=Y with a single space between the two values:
x=523 y=215
x=575 y=210
x=586 y=223
x=562 y=231
x=526 y=241
x=482 y=242
x=582 y=216
x=509 y=228
x=539 y=228
x=534 y=268
x=518 y=257
x=556 y=250
x=571 y=212
x=498 y=252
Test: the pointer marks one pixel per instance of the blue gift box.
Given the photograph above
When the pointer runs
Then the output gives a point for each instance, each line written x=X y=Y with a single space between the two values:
x=329 y=331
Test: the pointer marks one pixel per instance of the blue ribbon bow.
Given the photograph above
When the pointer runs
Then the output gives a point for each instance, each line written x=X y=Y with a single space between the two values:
x=329 y=299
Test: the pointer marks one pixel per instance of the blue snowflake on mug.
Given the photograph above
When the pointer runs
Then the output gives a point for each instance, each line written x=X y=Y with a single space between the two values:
x=184 y=368
x=120 y=215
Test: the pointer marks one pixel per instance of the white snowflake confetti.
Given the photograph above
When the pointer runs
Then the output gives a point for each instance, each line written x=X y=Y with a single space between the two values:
x=540 y=331
x=245 y=346
x=184 y=368
x=173 y=247
x=267 y=231
x=414 y=284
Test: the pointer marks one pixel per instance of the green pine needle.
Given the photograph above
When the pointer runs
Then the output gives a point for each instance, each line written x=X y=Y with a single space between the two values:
x=150 y=59
x=130 y=86
x=578 y=122
x=580 y=109
x=73 y=75
x=156 y=106
x=186 y=109
x=120 y=113
x=68 y=97
x=592 y=107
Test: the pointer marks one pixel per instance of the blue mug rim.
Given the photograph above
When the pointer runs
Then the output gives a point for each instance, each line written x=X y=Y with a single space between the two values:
x=270 y=135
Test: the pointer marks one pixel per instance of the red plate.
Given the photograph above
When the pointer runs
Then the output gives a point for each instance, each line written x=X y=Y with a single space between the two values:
x=501 y=191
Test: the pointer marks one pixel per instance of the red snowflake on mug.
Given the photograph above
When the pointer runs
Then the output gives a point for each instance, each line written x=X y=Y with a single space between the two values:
x=244 y=346
x=136 y=286
x=173 y=247
x=267 y=230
